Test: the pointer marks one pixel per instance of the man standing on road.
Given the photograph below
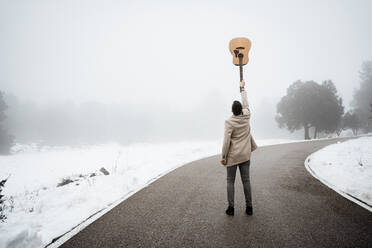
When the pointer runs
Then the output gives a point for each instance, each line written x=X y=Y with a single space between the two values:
x=236 y=151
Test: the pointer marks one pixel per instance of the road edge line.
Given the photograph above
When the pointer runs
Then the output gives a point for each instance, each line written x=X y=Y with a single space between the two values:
x=333 y=187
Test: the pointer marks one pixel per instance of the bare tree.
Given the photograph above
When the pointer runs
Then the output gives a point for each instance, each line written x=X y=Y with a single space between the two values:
x=363 y=97
x=6 y=140
x=351 y=121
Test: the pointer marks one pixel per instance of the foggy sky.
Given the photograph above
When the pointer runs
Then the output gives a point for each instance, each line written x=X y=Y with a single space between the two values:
x=175 y=53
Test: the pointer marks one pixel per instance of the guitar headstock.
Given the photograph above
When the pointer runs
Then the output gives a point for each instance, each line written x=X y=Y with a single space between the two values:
x=240 y=47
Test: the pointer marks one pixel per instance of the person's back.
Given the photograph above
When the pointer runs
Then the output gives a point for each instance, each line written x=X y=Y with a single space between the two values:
x=238 y=142
x=237 y=147
x=240 y=147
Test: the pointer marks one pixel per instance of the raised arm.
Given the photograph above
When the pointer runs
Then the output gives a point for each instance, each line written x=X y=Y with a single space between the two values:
x=245 y=104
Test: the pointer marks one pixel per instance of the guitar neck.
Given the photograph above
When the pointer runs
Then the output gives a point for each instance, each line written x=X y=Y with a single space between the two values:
x=241 y=68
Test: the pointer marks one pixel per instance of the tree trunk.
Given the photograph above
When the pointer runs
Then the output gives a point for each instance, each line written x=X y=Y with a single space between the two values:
x=315 y=132
x=306 y=128
x=338 y=132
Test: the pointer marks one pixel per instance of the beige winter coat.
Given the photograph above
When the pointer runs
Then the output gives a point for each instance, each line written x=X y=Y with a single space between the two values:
x=238 y=142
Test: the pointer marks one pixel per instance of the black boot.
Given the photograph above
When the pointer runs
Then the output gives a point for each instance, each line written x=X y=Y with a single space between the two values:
x=249 y=210
x=230 y=211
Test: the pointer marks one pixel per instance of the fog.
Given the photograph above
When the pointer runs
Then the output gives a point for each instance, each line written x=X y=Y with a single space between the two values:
x=130 y=71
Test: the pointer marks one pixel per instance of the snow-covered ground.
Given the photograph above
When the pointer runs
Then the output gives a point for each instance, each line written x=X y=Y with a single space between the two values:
x=42 y=211
x=346 y=168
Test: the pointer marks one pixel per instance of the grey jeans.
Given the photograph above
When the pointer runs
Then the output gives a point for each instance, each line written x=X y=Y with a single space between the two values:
x=244 y=174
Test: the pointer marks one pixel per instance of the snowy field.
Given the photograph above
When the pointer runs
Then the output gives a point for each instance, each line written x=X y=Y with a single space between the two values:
x=38 y=211
x=346 y=168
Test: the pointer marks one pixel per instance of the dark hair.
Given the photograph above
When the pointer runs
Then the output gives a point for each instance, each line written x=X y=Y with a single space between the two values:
x=237 y=108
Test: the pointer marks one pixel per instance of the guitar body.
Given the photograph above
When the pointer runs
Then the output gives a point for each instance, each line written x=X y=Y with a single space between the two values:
x=240 y=47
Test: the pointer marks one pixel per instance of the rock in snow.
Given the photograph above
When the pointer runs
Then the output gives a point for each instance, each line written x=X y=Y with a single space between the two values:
x=104 y=171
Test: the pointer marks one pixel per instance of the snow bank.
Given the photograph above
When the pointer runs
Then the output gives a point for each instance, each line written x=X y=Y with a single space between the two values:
x=346 y=168
x=42 y=211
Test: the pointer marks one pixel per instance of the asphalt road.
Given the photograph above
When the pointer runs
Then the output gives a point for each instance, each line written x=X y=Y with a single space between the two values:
x=186 y=208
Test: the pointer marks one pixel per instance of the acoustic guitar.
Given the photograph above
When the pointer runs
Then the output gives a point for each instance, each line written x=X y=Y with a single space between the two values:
x=239 y=48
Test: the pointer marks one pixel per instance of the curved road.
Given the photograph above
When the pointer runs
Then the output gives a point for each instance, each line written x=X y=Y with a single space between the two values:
x=186 y=208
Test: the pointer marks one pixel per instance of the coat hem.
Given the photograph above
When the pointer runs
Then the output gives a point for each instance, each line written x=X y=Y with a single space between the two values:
x=236 y=163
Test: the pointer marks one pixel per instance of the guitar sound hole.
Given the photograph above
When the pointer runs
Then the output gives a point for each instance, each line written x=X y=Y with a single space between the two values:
x=236 y=51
